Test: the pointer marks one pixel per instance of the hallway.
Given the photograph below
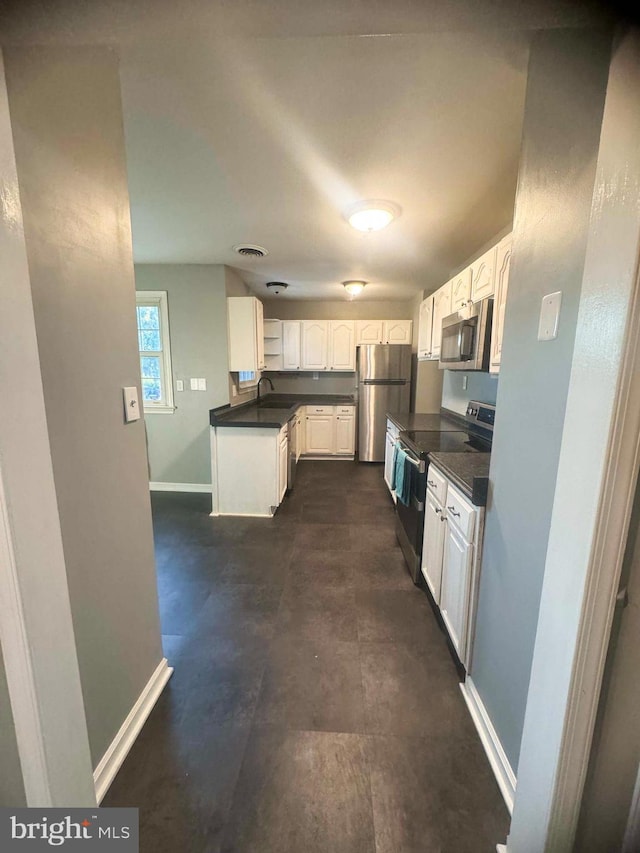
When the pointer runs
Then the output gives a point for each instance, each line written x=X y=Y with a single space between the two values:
x=314 y=706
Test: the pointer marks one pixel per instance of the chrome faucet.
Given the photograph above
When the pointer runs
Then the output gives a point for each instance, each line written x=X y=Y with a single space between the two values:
x=264 y=379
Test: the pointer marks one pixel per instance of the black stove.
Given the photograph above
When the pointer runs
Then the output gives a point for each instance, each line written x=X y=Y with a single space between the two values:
x=421 y=443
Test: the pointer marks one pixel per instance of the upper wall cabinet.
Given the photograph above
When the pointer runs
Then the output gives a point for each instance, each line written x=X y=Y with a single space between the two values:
x=460 y=290
x=246 y=333
x=441 y=309
x=369 y=332
x=425 y=328
x=397 y=331
x=291 y=345
x=503 y=263
x=315 y=335
x=342 y=345
x=482 y=275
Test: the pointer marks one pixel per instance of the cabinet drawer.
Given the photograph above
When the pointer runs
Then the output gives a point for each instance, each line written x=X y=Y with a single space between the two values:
x=319 y=410
x=436 y=483
x=345 y=410
x=460 y=512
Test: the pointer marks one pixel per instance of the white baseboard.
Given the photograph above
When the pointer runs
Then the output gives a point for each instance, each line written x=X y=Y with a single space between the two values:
x=505 y=777
x=180 y=487
x=112 y=760
x=501 y=848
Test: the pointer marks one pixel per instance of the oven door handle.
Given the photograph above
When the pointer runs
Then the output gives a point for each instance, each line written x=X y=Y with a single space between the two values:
x=417 y=463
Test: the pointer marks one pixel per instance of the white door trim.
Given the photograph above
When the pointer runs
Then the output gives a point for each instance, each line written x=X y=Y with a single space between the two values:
x=19 y=670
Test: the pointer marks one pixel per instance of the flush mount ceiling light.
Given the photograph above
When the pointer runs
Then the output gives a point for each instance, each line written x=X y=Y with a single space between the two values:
x=354 y=288
x=276 y=286
x=371 y=214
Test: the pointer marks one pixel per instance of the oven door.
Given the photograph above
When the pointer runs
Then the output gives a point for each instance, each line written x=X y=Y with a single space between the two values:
x=410 y=518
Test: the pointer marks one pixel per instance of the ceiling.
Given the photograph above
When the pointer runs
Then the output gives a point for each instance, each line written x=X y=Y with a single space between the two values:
x=260 y=122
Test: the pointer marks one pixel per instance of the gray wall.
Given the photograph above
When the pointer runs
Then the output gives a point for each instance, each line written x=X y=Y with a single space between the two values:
x=67 y=127
x=11 y=787
x=563 y=114
x=179 y=442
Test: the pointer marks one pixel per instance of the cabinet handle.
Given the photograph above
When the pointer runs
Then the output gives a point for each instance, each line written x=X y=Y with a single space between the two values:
x=438 y=511
x=443 y=518
x=453 y=512
x=431 y=483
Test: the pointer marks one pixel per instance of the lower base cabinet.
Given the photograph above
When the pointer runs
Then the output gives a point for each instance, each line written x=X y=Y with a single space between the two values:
x=451 y=550
x=330 y=431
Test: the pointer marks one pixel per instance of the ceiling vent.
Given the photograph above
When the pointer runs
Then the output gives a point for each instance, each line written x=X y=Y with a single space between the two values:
x=247 y=250
x=277 y=286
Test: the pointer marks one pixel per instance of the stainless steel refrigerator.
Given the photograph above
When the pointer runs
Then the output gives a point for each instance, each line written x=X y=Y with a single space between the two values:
x=384 y=385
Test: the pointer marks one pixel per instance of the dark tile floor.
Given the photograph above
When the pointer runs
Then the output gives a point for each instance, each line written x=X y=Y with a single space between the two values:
x=314 y=706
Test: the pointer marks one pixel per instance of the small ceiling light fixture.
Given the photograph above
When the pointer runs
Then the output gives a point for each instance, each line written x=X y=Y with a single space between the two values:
x=276 y=286
x=372 y=214
x=354 y=288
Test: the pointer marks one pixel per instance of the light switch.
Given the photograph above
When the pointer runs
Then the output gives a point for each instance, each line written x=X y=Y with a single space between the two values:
x=202 y=384
x=194 y=384
x=131 y=406
x=549 y=316
x=179 y=385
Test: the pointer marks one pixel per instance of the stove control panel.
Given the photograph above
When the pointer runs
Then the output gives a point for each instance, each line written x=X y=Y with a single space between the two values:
x=483 y=414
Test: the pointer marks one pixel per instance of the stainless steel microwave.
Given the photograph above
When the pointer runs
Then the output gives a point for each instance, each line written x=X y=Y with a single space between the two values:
x=466 y=338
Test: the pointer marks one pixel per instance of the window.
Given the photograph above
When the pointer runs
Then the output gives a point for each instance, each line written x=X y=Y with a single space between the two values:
x=155 y=353
x=247 y=379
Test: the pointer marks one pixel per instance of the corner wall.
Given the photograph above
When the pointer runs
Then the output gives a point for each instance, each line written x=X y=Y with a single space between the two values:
x=68 y=136
x=562 y=121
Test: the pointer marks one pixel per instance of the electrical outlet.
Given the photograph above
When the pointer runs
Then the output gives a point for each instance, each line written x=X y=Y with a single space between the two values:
x=315 y=375
x=179 y=385
x=549 y=316
x=465 y=382
x=202 y=384
x=194 y=384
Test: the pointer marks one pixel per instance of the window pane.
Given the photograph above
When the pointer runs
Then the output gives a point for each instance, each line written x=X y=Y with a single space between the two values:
x=150 y=367
x=246 y=375
x=148 y=317
x=149 y=340
x=151 y=392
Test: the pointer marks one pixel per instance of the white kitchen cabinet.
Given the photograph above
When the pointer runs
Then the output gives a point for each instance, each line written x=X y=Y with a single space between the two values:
x=460 y=290
x=291 y=345
x=483 y=276
x=397 y=331
x=246 y=334
x=389 y=456
x=345 y=434
x=425 y=328
x=342 y=345
x=246 y=470
x=433 y=545
x=441 y=309
x=315 y=334
x=456 y=584
x=369 y=332
x=320 y=434
x=503 y=263
x=283 y=463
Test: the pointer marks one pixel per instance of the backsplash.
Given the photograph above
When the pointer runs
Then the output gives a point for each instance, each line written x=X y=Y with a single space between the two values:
x=303 y=383
x=480 y=386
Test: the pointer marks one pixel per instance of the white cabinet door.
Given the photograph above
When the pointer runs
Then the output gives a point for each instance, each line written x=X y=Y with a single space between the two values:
x=342 y=345
x=503 y=263
x=291 y=345
x=433 y=546
x=425 y=327
x=259 y=333
x=441 y=309
x=483 y=275
x=299 y=436
x=319 y=437
x=397 y=331
x=460 y=289
x=369 y=332
x=389 y=447
x=246 y=333
x=314 y=344
x=454 y=594
x=283 y=463
x=345 y=435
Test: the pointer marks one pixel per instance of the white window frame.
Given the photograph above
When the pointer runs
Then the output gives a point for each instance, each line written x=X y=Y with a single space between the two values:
x=159 y=298
x=247 y=384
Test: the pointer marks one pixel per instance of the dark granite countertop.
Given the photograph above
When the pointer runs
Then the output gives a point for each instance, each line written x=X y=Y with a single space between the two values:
x=429 y=423
x=468 y=471
x=274 y=411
